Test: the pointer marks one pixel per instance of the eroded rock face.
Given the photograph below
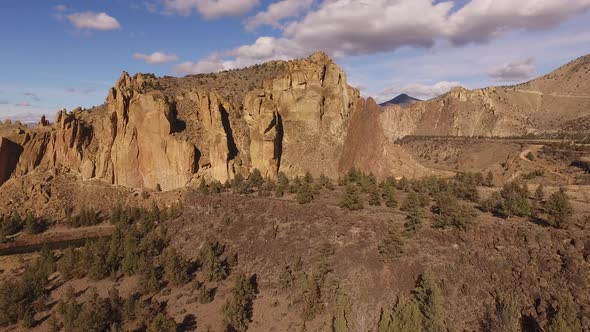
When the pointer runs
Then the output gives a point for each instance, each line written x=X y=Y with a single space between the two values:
x=293 y=117
x=298 y=121
x=143 y=152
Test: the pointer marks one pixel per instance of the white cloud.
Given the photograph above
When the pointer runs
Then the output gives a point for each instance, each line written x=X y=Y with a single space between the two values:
x=514 y=71
x=263 y=50
x=210 y=8
x=278 y=11
x=208 y=65
x=94 y=21
x=417 y=90
x=359 y=27
x=482 y=20
x=156 y=58
x=352 y=27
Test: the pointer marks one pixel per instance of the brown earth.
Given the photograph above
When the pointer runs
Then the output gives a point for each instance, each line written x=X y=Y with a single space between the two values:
x=513 y=257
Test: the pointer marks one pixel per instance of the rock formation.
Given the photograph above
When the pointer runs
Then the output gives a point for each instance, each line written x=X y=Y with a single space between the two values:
x=293 y=117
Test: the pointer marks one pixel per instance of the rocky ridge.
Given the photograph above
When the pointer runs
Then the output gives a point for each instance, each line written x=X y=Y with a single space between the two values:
x=541 y=106
x=162 y=133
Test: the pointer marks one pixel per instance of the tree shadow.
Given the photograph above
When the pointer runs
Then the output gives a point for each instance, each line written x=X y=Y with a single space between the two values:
x=189 y=323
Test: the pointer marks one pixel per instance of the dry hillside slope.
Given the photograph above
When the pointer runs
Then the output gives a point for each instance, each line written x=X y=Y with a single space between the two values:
x=549 y=104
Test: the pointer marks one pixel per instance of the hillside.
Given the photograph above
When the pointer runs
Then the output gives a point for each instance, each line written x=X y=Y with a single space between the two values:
x=546 y=105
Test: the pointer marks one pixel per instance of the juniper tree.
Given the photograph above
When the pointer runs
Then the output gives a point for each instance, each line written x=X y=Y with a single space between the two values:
x=351 y=199
x=374 y=195
x=559 y=209
x=304 y=193
x=515 y=201
x=237 y=311
x=389 y=196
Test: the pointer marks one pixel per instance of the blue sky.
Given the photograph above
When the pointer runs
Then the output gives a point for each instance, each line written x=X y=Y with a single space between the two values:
x=63 y=54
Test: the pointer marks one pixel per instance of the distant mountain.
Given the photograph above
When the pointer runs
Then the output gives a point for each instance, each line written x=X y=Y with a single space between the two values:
x=558 y=102
x=403 y=99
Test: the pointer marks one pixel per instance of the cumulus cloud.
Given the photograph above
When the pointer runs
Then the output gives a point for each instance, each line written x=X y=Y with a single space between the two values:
x=278 y=11
x=32 y=95
x=94 y=21
x=482 y=20
x=210 y=8
x=417 y=90
x=359 y=27
x=514 y=71
x=263 y=50
x=208 y=65
x=156 y=58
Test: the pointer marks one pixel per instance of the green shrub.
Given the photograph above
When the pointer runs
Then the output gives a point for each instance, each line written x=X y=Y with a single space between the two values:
x=514 y=201
x=176 y=268
x=565 y=319
x=413 y=221
x=237 y=311
x=162 y=323
x=392 y=246
x=211 y=258
x=559 y=209
x=326 y=182
x=411 y=202
x=530 y=156
x=449 y=212
x=352 y=199
x=34 y=225
x=304 y=193
x=374 y=195
x=406 y=317
x=255 y=180
x=389 y=196
x=504 y=317
x=429 y=299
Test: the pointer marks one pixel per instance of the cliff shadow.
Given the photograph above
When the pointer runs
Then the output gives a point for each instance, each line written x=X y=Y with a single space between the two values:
x=9 y=155
x=231 y=143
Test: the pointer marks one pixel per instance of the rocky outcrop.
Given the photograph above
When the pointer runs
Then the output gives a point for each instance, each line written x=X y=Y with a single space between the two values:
x=366 y=147
x=9 y=154
x=138 y=135
x=298 y=122
x=289 y=117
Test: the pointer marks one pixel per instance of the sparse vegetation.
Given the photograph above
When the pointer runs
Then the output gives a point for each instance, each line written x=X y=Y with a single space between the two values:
x=559 y=209
x=449 y=212
x=237 y=311
x=392 y=246
x=352 y=199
